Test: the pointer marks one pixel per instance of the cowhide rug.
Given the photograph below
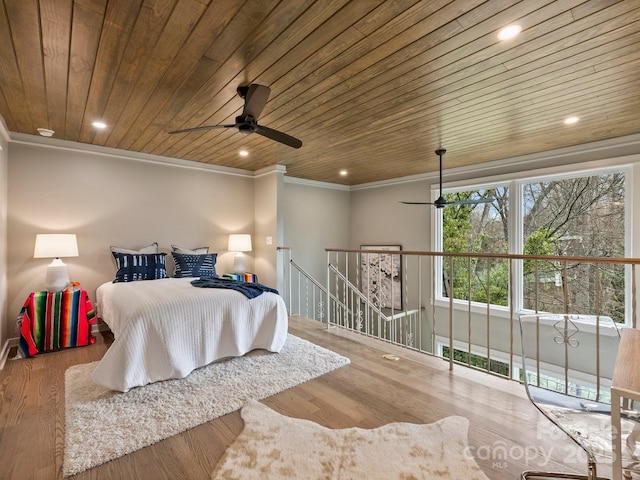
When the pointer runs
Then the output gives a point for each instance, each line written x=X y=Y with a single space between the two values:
x=273 y=446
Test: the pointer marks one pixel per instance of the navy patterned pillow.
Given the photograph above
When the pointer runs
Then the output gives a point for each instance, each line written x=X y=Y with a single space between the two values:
x=194 y=265
x=134 y=267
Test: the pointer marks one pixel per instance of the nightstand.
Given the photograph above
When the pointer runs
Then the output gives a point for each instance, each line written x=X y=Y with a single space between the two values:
x=55 y=320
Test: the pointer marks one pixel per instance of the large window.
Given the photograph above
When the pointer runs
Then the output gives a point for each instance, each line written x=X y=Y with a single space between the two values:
x=476 y=228
x=580 y=215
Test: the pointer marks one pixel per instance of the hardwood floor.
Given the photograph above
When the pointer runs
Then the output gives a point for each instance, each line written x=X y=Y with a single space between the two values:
x=507 y=434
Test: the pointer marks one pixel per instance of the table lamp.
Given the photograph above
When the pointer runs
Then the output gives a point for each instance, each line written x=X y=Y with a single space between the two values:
x=239 y=242
x=56 y=245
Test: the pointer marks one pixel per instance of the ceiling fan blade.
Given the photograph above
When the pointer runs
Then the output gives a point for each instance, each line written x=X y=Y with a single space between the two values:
x=203 y=127
x=471 y=202
x=278 y=136
x=255 y=100
x=440 y=204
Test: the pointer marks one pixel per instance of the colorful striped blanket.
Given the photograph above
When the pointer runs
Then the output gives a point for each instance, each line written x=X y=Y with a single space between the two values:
x=54 y=320
x=242 y=277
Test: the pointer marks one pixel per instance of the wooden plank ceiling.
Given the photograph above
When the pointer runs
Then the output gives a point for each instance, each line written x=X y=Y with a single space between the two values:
x=369 y=86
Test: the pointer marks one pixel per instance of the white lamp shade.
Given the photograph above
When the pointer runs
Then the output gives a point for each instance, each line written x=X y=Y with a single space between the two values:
x=55 y=245
x=239 y=242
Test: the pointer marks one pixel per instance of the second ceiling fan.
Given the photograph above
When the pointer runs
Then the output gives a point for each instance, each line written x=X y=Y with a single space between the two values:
x=255 y=98
x=440 y=202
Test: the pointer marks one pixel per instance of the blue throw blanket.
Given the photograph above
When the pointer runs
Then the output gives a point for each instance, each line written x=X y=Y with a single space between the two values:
x=250 y=290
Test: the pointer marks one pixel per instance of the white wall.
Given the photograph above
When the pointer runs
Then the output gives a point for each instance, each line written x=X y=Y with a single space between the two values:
x=108 y=199
x=4 y=184
x=316 y=216
x=268 y=224
x=378 y=217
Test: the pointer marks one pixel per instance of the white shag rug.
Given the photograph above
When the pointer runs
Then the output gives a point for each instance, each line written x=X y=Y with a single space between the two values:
x=272 y=446
x=101 y=424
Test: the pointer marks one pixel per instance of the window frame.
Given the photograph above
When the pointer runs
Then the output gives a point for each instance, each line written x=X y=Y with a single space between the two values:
x=515 y=183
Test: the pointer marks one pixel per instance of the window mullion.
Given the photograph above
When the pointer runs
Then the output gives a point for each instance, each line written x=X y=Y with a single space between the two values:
x=516 y=240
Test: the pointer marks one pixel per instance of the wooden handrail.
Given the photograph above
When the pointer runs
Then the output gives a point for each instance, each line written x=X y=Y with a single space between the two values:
x=513 y=256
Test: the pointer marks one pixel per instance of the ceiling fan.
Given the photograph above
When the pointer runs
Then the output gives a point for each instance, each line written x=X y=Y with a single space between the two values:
x=440 y=202
x=255 y=98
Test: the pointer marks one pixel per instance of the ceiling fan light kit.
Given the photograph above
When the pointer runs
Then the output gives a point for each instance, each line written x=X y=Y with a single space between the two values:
x=255 y=98
x=440 y=202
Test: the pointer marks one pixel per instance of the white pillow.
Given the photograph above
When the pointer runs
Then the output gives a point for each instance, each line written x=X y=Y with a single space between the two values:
x=194 y=251
x=153 y=248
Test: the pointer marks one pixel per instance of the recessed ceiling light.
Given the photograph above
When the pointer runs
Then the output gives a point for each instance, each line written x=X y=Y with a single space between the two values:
x=509 y=32
x=243 y=153
x=571 y=120
x=343 y=173
x=100 y=125
x=45 y=132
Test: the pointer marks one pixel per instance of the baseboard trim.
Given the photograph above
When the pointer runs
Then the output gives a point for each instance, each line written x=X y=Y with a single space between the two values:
x=6 y=348
x=96 y=328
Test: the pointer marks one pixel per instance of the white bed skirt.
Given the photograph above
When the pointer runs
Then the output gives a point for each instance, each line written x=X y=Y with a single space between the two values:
x=167 y=328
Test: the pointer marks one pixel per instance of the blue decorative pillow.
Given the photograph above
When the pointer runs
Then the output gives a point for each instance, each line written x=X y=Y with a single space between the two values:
x=134 y=267
x=192 y=265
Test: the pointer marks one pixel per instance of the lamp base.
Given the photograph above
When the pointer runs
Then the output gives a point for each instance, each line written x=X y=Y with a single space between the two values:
x=57 y=278
x=239 y=265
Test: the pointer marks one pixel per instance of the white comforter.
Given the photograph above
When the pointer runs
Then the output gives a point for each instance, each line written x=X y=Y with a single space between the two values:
x=167 y=328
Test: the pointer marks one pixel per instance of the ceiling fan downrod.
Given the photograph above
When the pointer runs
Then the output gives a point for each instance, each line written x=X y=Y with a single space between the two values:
x=440 y=202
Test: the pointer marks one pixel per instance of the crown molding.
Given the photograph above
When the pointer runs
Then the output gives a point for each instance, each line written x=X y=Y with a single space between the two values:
x=273 y=169
x=4 y=131
x=54 y=143
x=317 y=184
x=613 y=151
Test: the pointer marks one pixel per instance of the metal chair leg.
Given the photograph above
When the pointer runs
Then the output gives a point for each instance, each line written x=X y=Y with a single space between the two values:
x=592 y=474
x=531 y=474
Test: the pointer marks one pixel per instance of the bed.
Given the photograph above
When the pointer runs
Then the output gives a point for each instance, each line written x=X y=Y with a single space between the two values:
x=167 y=328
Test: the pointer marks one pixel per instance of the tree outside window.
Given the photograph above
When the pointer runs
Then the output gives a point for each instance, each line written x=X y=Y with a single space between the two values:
x=477 y=228
x=578 y=216
x=582 y=217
